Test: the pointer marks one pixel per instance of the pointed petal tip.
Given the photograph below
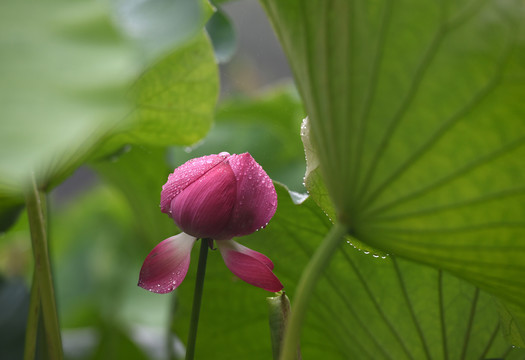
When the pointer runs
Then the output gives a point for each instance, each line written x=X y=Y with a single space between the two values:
x=249 y=265
x=275 y=287
x=166 y=265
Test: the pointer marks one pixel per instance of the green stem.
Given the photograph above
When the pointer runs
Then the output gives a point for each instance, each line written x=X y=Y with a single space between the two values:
x=169 y=334
x=197 y=299
x=32 y=320
x=35 y=201
x=309 y=278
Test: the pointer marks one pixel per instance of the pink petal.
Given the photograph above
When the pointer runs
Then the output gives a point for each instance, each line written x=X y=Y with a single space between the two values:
x=186 y=174
x=256 y=197
x=204 y=208
x=167 y=264
x=249 y=265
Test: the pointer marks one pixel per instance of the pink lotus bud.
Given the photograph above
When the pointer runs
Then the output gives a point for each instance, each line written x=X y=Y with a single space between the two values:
x=219 y=196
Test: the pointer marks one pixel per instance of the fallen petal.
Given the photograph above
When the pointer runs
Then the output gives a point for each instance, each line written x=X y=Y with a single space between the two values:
x=256 y=197
x=167 y=264
x=249 y=265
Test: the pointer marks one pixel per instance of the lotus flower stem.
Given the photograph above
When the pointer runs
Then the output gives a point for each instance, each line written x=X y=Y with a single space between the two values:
x=35 y=202
x=197 y=299
x=306 y=286
x=32 y=319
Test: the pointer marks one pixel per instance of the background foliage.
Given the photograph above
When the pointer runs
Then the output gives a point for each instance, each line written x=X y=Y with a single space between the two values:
x=419 y=121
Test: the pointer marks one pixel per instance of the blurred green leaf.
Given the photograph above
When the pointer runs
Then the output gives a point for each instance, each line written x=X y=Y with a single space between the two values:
x=364 y=307
x=158 y=26
x=115 y=343
x=93 y=245
x=63 y=69
x=67 y=73
x=176 y=98
x=139 y=175
x=14 y=302
x=98 y=247
x=222 y=35
x=267 y=126
x=417 y=113
x=10 y=209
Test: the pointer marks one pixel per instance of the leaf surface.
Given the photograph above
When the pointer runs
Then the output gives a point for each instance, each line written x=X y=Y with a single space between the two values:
x=417 y=117
x=364 y=307
x=71 y=89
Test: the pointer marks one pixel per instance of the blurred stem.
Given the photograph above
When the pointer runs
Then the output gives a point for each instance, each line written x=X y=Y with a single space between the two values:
x=170 y=331
x=35 y=201
x=197 y=299
x=32 y=320
x=309 y=278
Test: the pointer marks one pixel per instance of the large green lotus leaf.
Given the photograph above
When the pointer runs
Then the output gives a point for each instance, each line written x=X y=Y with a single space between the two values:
x=417 y=115
x=364 y=307
x=66 y=78
x=513 y=323
x=314 y=183
x=64 y=70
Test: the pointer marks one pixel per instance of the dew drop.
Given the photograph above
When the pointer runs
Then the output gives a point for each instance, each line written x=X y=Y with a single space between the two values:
x=224 y=153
